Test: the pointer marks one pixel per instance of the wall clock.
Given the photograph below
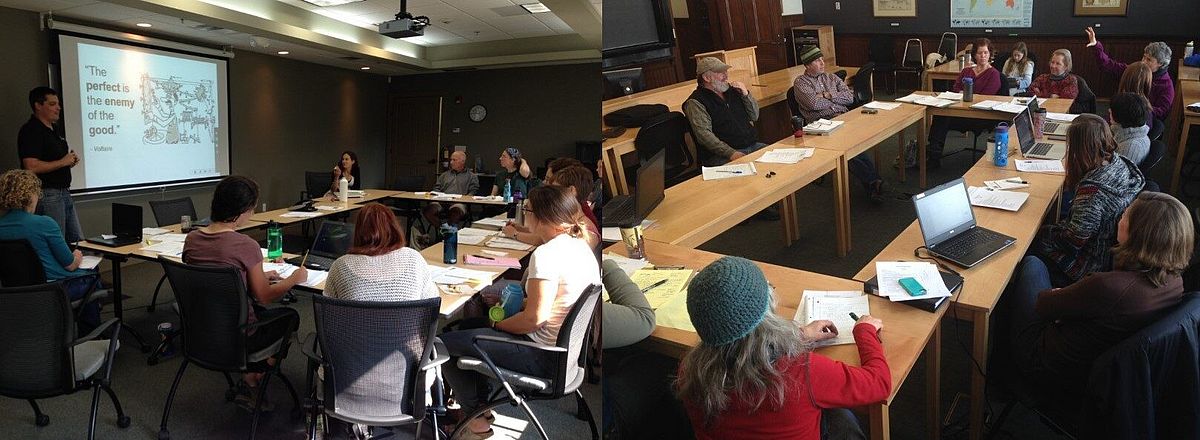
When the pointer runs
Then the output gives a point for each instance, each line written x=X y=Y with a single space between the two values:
x=477 y=113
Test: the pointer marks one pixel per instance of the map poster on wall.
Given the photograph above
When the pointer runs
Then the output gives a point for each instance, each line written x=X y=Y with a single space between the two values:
x=991 y=13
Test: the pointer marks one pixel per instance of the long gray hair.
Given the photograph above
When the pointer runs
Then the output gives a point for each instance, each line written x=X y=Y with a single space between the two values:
x=712 y=375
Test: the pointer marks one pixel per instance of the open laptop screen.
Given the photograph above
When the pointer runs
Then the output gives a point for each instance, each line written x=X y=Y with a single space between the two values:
x=944 y=211
x=651 y=181
x=126 y=220
x=334 y=239
x=1024 y=124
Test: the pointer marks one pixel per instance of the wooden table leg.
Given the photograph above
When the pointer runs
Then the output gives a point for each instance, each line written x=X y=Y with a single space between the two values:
x=841 y=200
x=790 y=222
x=1180 y=155
x=922 y=139
x=980 y=351
x=881 y=424
x=933 y=379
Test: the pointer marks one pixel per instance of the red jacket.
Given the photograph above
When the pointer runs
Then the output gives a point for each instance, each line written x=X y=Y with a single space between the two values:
x=1044 y=86
x=834 y=385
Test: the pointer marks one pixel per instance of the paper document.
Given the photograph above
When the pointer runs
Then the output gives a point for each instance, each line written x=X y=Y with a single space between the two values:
x=912 y=97
x=493 y=261
x=493 y=253
x=889 y=274
x=491 y=198
x=1012 y=183
x=1041 y=166
x=785 y=155
x=491 y=221
x=986 y=104
x=610 y=234
x=327 y=208
x=933 y=101
x=168 y=248
x=154 y=231
x=728 y=171
x=627 y=265
x=1023 y=101
x=674 y=314
x=661 y=286
x=444 y=196
x=90 y=262
x=459 y=275
x=822 y=126
x=951 y=96
x=1009 y=107
x=170 y=236
x=474 y=236
x=881 y=105
x=835 y=306
x=298 y=214
x=314 y=279
x=990 y=198
x=507 y=243
x=1061 y=117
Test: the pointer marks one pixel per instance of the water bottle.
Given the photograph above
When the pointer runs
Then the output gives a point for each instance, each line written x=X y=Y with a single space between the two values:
x=968 y=89
x=274 y=240
x=507 y=190
x=343 y=188
x=511 y=299
x=798 y=126
x=1000 y=156
x=1187 y=50
x=519 y=207
x=449 y=244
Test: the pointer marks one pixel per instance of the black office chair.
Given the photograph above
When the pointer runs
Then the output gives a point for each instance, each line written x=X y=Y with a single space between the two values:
x=317 y=183
x=863 y=85
x=793 y=104
x=375 y=357
x=948 y=45
x=1085 y=101
x=409 y=209
x=169 y=212
x=1156 y=129
x=42 y=357
x=912 y=62
x=669 y=131
x=22 y=267
x=881 y=51
x=213 y=319
x=569 y=352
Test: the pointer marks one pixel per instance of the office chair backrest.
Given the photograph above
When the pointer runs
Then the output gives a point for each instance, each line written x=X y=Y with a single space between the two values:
x=914 y=54
x=863 y=84
x=374 y=352
x=21 y=267
x=1085 y=101
x=38 y=326
x=881 y=50
x=948 y=45
x=169 y=212
x=793 y=104
x=212 y=311
x=571 y=336
x=317 y=183
x=666 y=131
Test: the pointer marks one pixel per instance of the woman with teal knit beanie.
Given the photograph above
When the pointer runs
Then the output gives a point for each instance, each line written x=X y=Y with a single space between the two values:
x=754 y=375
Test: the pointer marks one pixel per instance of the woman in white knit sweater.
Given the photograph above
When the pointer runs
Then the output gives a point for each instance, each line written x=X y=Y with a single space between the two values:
x=378 y=267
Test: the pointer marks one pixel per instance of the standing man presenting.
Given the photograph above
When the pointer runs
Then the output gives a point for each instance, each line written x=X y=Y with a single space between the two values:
x=46 y=154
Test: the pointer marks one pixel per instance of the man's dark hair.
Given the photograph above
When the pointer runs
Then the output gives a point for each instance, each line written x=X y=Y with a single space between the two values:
x=38 y=95
x=560 y=163
x=233 y=196
x=1129 y=109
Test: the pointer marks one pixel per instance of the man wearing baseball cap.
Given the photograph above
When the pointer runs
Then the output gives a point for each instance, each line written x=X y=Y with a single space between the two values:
x=722 y=115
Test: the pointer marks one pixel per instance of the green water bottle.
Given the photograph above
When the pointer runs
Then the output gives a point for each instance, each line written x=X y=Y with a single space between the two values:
x=274 y=241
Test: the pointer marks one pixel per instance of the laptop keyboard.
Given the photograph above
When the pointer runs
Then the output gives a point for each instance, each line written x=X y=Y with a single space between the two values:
x=313 y=260
x=1040 y=149
x=964 y=243
x=619 y=210
x=1050 y=127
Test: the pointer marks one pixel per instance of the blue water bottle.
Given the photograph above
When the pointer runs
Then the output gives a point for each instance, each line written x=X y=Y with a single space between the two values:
x=511 y=299
x=449 y=244
x=1000 y=155
x=507 y=190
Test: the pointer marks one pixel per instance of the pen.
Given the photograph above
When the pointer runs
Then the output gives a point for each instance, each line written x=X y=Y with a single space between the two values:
x=656 y=284
x=668 y=267
x=1016 y=180
x=853 y=316
x=483 y=257
x=728 y=171
x=758 y=85
x=305 y=259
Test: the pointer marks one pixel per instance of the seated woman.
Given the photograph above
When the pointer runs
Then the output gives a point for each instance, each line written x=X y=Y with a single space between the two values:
x=348 y=167
x=1056 y=334
x=514 y=169
x=378 y=267
x=1137 y=78
x=1104 y=183
x=1128 y=111
x=1019 y=69
x=986 y=81
x=578 y=180
x=220 y=243
x=754 y=374
x=558 y=273
x=1058 y=82
x=19 y=194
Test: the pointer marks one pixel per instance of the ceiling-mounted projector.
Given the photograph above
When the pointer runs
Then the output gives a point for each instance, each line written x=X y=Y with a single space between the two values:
x=405 y=25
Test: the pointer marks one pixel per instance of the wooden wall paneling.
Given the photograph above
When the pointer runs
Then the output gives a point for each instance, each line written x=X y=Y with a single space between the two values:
x=660 y=73
x=787 y=22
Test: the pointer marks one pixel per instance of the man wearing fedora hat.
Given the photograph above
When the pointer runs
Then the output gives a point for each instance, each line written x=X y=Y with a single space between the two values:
x=722 y=114
x=823 y=95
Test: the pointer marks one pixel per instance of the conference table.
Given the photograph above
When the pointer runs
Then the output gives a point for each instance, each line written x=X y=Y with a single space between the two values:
x=946 y=71
x=984 y=283
x=907 y=333
x=768 y=88
x=1190 y=94
x=1188 y=73
x=429 y=197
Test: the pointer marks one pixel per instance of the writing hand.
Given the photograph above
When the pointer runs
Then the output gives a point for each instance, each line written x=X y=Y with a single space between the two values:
x=873 y=321
x=272 y=275
x=819 y=330
x=299 y=275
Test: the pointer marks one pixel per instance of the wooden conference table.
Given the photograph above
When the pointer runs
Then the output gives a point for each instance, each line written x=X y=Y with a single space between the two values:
x=1190 y=93
x=907 y=331
x=947 y=71
x=984 y=283
x=767 y=89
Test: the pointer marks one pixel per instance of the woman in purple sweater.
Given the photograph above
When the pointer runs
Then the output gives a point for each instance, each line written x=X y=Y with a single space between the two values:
x=1156 y=56
x=1056 y=334
x=987 y=82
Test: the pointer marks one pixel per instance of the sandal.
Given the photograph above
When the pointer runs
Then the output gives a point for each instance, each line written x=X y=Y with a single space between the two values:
x=247 y=397
x=472 y=435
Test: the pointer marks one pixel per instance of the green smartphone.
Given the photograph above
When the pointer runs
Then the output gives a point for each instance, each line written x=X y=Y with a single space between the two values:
x=911 y=286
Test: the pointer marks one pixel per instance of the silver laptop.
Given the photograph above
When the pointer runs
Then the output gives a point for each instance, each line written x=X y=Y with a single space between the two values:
x=1037 y=148
x=1055 y=129
x=948 y=226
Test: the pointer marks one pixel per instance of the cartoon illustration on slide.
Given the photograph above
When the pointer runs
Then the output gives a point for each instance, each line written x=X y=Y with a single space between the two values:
x=178 y=111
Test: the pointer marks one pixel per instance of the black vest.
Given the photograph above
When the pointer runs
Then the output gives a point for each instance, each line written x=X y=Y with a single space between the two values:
x=730 y=119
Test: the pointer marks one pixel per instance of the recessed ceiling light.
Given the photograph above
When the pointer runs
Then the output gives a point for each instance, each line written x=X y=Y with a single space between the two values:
x=535 y=8
x=365 y=68
x=144 y=25
x=324 y=3
x=283 y=52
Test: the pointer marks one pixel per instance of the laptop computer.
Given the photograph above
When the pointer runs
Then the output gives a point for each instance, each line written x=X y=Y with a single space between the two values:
x=1037 y=148
x=629 y=210
x=1056 y=129
x=948 y=226
x=332 y=241
x=126 y=226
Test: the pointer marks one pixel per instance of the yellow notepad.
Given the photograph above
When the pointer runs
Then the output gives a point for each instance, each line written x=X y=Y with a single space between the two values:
x=676 y=283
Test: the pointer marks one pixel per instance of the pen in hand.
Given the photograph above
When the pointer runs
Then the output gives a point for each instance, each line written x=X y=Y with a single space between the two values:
x=305 y=259
x=652 y=286
x=853 y=316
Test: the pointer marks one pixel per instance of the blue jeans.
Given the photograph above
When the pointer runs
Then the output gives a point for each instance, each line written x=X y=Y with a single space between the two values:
x=863 y=169
x=714 y=161
x=471 y=388
x=79 y=287
x=56 y=203
x=840 y=424
x=1025 y=328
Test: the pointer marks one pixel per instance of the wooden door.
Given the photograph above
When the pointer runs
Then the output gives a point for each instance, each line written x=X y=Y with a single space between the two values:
x=744 y=23
x=694 y=34
x=414 y=134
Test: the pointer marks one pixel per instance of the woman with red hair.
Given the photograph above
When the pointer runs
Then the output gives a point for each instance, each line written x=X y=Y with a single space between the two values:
x=378 y=267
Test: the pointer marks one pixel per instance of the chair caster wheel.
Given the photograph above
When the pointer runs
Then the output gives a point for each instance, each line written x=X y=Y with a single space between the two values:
x=43 y=420
x=123 y=422
x=164 y=435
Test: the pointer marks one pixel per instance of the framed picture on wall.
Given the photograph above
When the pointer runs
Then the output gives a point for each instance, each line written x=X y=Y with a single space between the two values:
x=895 y=8
x=1101 y=7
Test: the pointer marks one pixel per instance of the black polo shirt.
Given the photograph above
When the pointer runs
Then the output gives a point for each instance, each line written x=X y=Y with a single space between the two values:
x=40 y=142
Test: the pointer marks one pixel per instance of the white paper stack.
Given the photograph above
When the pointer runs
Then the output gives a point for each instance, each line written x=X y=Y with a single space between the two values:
x=889 y=274
x=1009 y=107
x=951 y=96
x=822 y=126
x=474 y=236
x=491 y=221
x=168 y=248
x=300 y=214
x=1040 y=166
x=728 y=171
x=154 y=231
x=1023 y=101
x=986 y=104
x=998 y=199
x=1061 y=117
x=834 y=306
x=785 y=155
x=627 y=265
x=881 y=105
x=933 y=101
x=90 y=261
x=458 y=275
x=912 y=97
x=507 y=243
x=1012 y=183
x=314 y=279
